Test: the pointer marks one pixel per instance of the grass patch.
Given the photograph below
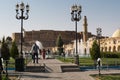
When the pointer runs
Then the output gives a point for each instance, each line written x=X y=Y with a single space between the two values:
x=86 y=62
x=10 y=77
x=89 y=62
x=11 y=63
x=65 y=59
x=107 y=77
x=111 y=61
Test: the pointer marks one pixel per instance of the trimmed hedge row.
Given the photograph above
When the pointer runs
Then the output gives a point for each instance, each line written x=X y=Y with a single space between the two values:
x=110 y=54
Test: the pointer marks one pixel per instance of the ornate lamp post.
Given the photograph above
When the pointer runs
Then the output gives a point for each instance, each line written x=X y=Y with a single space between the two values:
x=75 y=13
x=21 y=7
x=99 y=31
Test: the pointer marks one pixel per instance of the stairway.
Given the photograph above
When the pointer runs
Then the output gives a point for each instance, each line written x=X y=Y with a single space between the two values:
x=70 y=68
x=35 y=68
x=52 y=66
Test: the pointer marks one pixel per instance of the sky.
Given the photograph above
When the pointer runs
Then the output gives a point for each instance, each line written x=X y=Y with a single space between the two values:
x=55 y=15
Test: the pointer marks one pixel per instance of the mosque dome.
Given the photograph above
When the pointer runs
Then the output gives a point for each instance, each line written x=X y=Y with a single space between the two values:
x=116 y=33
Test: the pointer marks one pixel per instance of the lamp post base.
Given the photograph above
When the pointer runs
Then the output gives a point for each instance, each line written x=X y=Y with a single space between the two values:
x=76 y=60
x=19 y=64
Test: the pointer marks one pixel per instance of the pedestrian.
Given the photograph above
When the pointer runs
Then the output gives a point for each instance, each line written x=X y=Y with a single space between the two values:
x=48 y=53
x=34 y=51
x=1 y=67
x=43 y=53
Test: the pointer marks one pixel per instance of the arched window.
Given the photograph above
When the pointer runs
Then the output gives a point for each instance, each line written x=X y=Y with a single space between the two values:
x=105 y=49
x=114 y=41
x=118 y=49
x=110 y=49
x=102 y=49
x=114 y=49
x=85 y=51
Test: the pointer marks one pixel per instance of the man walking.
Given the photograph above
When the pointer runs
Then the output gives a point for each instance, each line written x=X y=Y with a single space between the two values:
x=34 y=50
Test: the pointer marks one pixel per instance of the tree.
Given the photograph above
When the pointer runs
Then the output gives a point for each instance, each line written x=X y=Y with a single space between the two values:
x=5 y=53
x=5 y=50
x=59 y=44
x=9 y=39
x=14 y=50
x=95 y=52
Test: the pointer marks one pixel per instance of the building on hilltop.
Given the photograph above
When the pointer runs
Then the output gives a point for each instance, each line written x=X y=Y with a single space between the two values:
x=85 y=40
x=46 y=37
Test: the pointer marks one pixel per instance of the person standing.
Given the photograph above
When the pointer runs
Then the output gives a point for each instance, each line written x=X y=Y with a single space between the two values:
x=1 y=67
x=34 y=50
x=43 y=53
x=48 y=53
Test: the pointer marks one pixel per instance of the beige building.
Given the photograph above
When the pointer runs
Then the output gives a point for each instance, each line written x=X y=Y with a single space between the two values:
x=111 y=44
x=107 y=44
x=83 y=44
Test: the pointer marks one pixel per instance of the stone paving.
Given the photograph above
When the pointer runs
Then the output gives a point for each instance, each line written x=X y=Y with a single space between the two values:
x=56 y=74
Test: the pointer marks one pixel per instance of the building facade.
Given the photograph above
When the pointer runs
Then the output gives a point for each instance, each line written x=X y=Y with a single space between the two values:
x=107 y=44
x=46 y=37
x=84 y=44
x=111 y=44
x=85 y=40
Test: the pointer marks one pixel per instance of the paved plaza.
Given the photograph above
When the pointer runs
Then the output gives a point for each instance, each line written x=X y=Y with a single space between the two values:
x=55 y=73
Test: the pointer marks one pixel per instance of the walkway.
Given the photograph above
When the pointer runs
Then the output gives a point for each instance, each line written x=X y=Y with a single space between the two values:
x=54 y=72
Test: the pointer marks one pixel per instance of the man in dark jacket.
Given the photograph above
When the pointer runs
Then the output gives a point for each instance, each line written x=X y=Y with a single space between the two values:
x=34 y=50
x=1 y=67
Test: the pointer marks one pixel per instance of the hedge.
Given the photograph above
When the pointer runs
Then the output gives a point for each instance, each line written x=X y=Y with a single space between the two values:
x=110 y=54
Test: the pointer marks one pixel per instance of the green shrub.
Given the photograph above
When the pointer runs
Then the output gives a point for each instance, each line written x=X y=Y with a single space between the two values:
x=5 y=78
x=110 y=54
x=14 y=50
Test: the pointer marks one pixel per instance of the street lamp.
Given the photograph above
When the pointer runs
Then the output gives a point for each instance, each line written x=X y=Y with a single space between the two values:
x=99 y=34
x=75 y=13
x=21 y=7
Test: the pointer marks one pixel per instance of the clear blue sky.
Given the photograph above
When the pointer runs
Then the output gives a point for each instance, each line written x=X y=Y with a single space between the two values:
x=55 y=15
